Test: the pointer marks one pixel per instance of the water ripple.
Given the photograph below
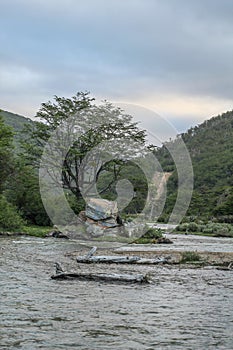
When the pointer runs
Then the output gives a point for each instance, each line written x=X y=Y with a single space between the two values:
x=181 y=309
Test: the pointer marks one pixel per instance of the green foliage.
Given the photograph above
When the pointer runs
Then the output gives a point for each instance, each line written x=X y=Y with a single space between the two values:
x=9 y=218
x=96 y=124
x=24 y=193
x=210 y=228
x=36 y=231
x=210 y=145
x=193 y=227
x=224 y=205
x=16 y=123
x=188 y=257
x=6 y=152
x=22 y=188
x=151 y=235
x=76 y=205
x=135 y=176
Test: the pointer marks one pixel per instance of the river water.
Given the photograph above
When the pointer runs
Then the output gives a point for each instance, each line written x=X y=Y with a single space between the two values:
x=180 y=309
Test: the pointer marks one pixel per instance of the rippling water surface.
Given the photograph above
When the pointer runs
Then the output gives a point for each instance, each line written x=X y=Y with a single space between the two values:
x=180 y=309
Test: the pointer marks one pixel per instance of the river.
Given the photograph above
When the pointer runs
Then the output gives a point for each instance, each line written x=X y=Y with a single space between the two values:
x=181 y=309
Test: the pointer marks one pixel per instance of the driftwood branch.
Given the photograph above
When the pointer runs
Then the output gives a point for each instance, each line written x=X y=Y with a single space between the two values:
x=120 y=260
x=124 y=278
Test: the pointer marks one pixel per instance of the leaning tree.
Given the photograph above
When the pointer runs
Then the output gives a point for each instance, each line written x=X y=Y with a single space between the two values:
x=83 y=140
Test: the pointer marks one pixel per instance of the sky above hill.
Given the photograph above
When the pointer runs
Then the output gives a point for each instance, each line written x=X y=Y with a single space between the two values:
x=173 y=57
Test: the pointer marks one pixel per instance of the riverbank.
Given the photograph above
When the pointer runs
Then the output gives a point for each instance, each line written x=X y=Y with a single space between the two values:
x=189 y=250
x=185 y=250
x=34 y=231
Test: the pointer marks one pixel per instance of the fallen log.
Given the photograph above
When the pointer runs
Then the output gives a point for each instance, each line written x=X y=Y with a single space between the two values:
x=226 y=268
x=124 y=278
x=155 y=261
x=108 y=259
x=119 y=260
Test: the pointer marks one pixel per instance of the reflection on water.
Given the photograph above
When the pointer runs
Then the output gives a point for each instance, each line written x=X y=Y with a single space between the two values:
x=180 y=309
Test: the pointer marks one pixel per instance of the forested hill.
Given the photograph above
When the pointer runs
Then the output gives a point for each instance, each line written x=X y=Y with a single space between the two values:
x=211 y=148
x=15 y=121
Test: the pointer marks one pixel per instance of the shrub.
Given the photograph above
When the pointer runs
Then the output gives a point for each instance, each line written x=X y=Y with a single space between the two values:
x=225 y=219
x=164 y=218
x=152 y=233
x=190 y=257
x=193 y=227
x=207 y=229
x=9 y=218
x=183 y=227
x=217 y=229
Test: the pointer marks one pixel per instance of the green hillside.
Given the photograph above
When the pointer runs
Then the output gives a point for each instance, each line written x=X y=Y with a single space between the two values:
x=15 y=121
x=211 y=148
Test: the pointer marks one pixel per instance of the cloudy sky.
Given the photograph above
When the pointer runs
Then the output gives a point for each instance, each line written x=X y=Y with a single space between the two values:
x=174 y=57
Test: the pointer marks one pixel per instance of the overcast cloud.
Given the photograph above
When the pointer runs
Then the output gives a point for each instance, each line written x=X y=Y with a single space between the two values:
x=173 y=56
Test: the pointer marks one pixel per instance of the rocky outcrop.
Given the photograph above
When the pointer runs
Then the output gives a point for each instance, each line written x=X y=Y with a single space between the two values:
x=102 y=218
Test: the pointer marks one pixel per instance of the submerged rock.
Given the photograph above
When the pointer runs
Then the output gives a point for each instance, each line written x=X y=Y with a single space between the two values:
x=56 y=233
x=163 y=240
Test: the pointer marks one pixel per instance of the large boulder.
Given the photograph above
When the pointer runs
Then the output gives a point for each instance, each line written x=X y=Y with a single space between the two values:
x=99 y=209
x=102 y=218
